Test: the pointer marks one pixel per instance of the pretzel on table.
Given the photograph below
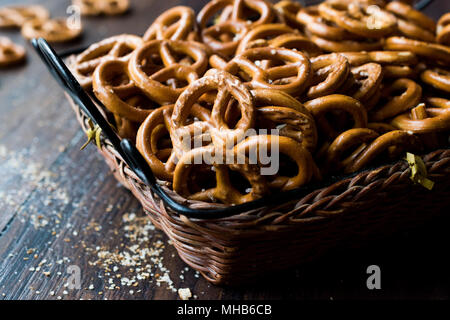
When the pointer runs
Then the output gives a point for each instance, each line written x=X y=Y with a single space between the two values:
x=10 y=53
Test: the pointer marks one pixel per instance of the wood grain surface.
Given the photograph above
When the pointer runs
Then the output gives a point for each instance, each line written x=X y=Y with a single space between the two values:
x=61 y=207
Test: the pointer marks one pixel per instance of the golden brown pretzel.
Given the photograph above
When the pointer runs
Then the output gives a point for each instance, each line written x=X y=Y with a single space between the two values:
x=291 y=77
x=357 y=138
x=54 y=30
x=262 y=32
x=227 y=87
x=409 y=98
x=359 y=18
x=224 y=190
x=319 y=107
x=224 y=38
x=407 y=12
x=213 y=8
x=438 y=78
x=276 y=109
x=398 y=138
x=443 y=30
x=151 y=77
x=296 y=42
x=262 y=7
x=97 y=7
x=288 y=10
x=16 y=16
x=114 y=88
x=176 y=23
x=10 y=53
x=311 y=19
x=345 y=45
x=432 y=120
x=330 y=72
x=284 y=145
x=367 y=79
x=428 y=50
x=116 y=47
x=150 y=133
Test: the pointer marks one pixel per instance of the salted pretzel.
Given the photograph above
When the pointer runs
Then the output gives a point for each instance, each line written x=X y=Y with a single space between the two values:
x=306 y=167
x=113 y=48
x=220 y=8
x=16 y=16
x=443 y=30
x=227 y=87
x=312 y=21
x=409 y=97
x=288 y=10
x=177 y=23
x=319 y=107
x=113 y=86
x=263 y=8
x=330 y=72
x=10 y=53
x=146 y=70
x=438 y=78
x=223 y=191
x=97 y=7
x=262 y=32
x=276 y=109
x=367 y=80
x=431 y=120
x=54 y=30
x=359 y=18
x=412 y=23
x=345 y=45
x=224 y=38
x=162 y=161
x=355 y=140
x=431 y=51
x=400 y=139
x=291 y=76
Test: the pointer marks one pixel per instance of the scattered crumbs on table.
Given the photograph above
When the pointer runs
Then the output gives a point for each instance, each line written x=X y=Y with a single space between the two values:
x=184 y=293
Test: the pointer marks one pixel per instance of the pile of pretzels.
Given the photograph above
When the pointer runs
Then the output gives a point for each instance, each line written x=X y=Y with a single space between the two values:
x=333 y=88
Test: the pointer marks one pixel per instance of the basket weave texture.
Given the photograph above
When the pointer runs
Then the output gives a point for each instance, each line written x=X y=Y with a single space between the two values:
x=370 y=205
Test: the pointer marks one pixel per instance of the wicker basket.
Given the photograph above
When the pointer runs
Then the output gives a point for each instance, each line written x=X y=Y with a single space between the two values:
x=370 y=205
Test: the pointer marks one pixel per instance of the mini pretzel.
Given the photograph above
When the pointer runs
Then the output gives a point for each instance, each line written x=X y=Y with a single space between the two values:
x=224 y=190
x=337 y=102
x=286 y=146
x=397 y=138
x=408 y=99
x=113 y=87
x=150 y=77
x=97 y=7
x=330 y=72
x=438 y=78
x=263 y=31
x=288 y=115
x=318 y=26
x=10 y=53
x=55 y=30
x=429 y=50
x=291 y=77
x=296 y=42
x=443 y=30
x=227 y=87
x=433 y=120
x=345 y=45
x=151 y=131
x=224 y=38
x=357 y=139
x=213 y=8
x=288 y=10
x=117 y=47
x=16 y=16
x=367 y=79
x=407 y=12
x=262 y=7
x=174 y=24
x=358 y=18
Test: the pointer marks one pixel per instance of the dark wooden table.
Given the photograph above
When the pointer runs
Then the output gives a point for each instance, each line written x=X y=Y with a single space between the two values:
x=61 y=209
